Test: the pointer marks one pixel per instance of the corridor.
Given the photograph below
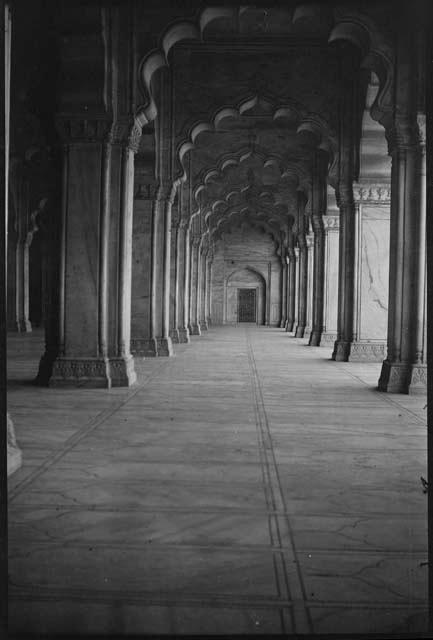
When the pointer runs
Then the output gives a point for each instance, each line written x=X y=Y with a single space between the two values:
x=246 y=485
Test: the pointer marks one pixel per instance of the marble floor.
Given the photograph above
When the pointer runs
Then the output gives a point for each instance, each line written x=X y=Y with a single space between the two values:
x=247 y=485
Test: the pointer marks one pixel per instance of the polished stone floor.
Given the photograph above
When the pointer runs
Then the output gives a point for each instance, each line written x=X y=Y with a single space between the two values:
x=247 y=485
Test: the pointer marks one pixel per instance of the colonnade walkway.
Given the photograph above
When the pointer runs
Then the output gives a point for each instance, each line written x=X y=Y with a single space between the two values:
x=247 y=485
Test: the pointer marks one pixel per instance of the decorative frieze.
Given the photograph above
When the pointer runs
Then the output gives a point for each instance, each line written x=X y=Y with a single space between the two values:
x=93 y=372
x=367 y=351
x=372 y=193
x=331 y=223
x=79 y=129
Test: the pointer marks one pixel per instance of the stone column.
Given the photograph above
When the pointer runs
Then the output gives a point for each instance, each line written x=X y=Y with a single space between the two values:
x=319 y=206
x=346 y=273
x=95 y=263
x=209 y=287
x=204 y=290
x=331 y=224
x=310 y=281
x=194 y=327
x=296 y=290
x=284 y=274
x=405 y=368
x=291 y=288
x=161 y=260
x=318 y=300
x=19 y=240
x=184 y=264
x=174 y=277
x=302 y=286
x=141 y=263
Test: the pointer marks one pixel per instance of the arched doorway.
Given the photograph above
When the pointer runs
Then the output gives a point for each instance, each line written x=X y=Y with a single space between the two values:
x=245 y=293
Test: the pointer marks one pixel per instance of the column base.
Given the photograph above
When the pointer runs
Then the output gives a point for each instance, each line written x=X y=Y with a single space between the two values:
x=14 y=455
x=203 y=325
x=209 y=321
x=307 y=333
x=328 y=338
x=403 y=377
x=174 y=335
x=194 y=330
x=20 y=326
x=361 y=351
x=45 y=370
x=341 y=351
x=299 y=332
x=164 y=347
x=315 y=338
x=184 y=335
x=289 y=326
x=93 y=372
x=283 y=323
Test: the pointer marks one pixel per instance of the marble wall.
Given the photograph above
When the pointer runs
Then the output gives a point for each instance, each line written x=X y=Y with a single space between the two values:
x=243 y=249
x=374 y=272
x=331 y=278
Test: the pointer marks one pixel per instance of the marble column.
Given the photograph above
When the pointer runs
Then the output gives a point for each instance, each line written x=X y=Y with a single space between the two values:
x=291 y=288
x=203 y=282
x=194 y=326
x=346 y=273
x=19 y=240
x=302 y=286
x=331 y=224
x=310 y=283
x=141 y=268
x=183 y=252
x=296 y=289
x=405 y=368
x=318 y=299
x=161 y=261
x=96 y=248
x=11 y=453
x=284 y=275
x=174 y=278
x=209 y=287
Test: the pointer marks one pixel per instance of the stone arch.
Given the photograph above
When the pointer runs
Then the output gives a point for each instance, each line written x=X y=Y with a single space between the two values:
x=245 y=277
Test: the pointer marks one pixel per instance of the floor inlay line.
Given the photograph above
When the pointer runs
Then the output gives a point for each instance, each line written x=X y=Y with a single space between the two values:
x=302 y=623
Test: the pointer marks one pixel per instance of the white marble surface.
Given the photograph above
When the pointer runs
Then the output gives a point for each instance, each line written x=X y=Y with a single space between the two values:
x=374 y=273
x=331 y=282
x=247 y=485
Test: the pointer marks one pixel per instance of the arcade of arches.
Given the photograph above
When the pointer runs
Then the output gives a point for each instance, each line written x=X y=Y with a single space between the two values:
x=178 y=172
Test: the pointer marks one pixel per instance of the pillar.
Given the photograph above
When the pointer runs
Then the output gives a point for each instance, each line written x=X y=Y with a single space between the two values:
x=405 y=368
x=194 y=327
x=331 y=226
x=310 y=282
x=291 y=287
x=203 y=284
x=209 y=260
x=183 y=251
x=95 y=255
x=284 y=276
x=174 y=277
x=302 y=286
x=144 y=194
x=319 y=207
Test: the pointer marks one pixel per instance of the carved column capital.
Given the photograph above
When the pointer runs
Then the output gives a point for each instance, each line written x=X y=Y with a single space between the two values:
x=309 y=240
x=344 y=195
x=403 y=135
x=317 y=224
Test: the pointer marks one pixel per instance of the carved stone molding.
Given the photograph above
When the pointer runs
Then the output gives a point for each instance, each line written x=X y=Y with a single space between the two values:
x=184 y=335
x=331 y=223
x=93 y=372
x=328 y=338
x=372 y=193
x=367 y=351
x=402 y=377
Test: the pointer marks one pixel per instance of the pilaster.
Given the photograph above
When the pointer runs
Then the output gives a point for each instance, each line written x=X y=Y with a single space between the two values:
x=331 y=227
x=310 y=282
